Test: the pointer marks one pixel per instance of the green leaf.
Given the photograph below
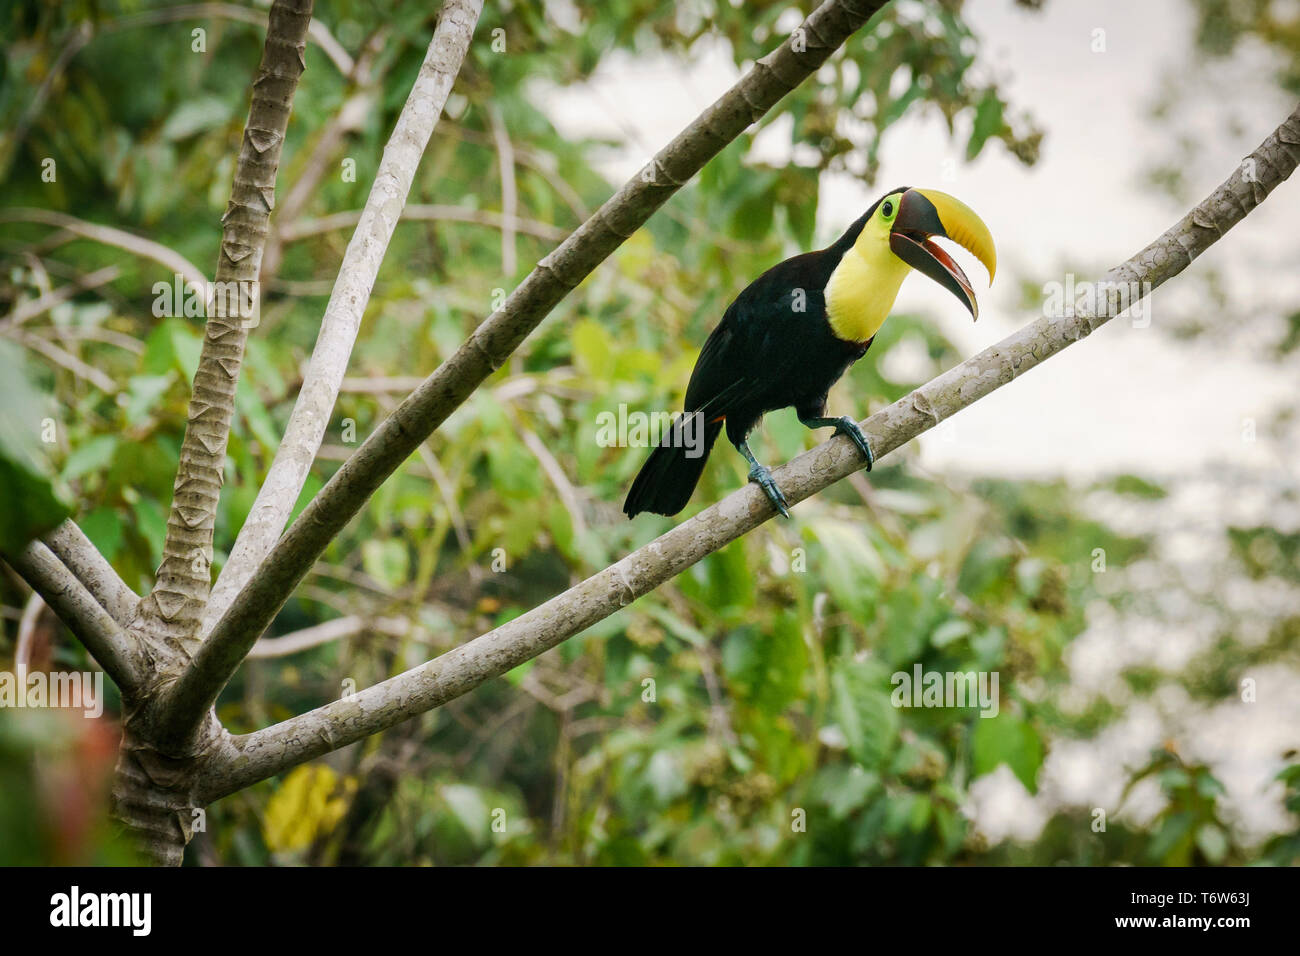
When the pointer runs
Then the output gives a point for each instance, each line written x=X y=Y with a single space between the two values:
x=517 y=674
x=665 y=777
x=387 y=561
x=1007 y=739
x=470 y=810
x=953 y=629
x=144 y=393
x=766 y=669
x=865 y=714
x=1171 y=841
x=988 y=122
x=25 y=474
x=92 y=455
x=195 y=116
x=845 y=789
x=593 y=349
x=1208 y=786
x=103 y=527
x=852 y=567
x=151 y=521
x=1213 y=842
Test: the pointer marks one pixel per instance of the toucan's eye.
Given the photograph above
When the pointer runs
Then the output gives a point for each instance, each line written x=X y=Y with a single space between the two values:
x=888 y=209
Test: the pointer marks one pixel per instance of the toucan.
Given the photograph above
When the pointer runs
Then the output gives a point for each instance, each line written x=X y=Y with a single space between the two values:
x=790 y=335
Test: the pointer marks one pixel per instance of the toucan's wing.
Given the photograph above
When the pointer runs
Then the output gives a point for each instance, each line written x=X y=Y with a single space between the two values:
x=761 y=336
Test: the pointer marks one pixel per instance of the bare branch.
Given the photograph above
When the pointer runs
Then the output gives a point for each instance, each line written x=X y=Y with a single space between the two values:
x=27 y=632
x=270 y=751
x=83 y=559
x=338 y=629
x=509 y=194
x=317 y=32
x=43 y=303
x=169 y=259
x=553 y=469
x=109 y=645
x=93 y=333
x=78 y=37
x=427 y=213
x=442 y=481
x=347 y=305
x=67 y=360
x=555 y=276
x=539 y=162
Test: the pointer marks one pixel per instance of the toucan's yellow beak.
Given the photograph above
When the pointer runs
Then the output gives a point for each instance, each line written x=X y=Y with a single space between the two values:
x=924 y=213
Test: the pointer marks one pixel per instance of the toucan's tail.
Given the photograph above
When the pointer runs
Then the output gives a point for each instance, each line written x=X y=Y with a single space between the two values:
x=670 y=474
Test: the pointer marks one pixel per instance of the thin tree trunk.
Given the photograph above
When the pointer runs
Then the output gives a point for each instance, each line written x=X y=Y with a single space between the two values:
x=175 y=606
x=152 y=789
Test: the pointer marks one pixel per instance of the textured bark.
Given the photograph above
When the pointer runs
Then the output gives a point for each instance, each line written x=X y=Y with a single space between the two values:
x=112 y=647
x=80 y=556
x=155 y=777
x=348 y=300
x=259 y=755
x=155 y=796
x=171 y=613
x=555 y=276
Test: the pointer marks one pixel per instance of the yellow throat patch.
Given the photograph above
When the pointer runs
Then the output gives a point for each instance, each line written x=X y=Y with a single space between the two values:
x=863 y=287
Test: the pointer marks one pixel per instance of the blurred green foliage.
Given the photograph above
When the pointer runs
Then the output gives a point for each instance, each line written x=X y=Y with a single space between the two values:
x=740 y=714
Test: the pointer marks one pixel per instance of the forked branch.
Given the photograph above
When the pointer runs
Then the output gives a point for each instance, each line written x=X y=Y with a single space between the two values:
x=259 y=755
x=491 y=343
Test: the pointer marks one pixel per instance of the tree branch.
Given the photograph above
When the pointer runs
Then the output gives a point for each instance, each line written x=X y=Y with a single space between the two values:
x=259 y=755
x=88 y=566
x=24 y=311
x=66 y=359
x=169 y=259
x=555 y=276
x=317 y=32
x=177 y=600
x=509 y=192
x=347 y=306
x=339 y=628
x=427 y=213
x=115 y=651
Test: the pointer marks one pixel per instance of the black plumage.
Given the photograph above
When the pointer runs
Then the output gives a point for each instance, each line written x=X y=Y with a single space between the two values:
x=773 y=349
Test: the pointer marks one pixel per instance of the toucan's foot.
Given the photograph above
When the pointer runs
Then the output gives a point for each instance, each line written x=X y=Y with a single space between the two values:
x=763 y=478
x=847 y=426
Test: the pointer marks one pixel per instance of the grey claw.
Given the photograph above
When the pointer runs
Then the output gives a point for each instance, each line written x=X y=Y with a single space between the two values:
x=848 y=426
x=763 y=478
